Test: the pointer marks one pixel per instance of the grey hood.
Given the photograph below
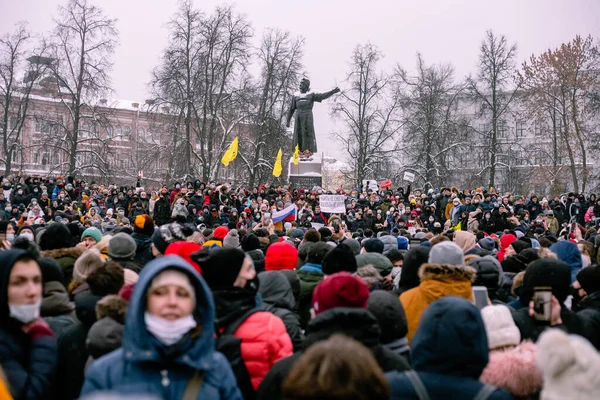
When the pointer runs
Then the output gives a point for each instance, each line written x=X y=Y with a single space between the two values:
x=276 y=290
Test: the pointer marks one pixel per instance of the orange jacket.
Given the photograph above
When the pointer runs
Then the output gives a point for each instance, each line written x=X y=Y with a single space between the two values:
x=264 y=342
x=437 y=281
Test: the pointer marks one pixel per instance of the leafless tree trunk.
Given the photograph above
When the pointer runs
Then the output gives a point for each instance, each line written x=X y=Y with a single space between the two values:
x=280 y=60
x=496 y=69
x=14 y=92
x=82 y=43
x=369 y=111
x=433 y=127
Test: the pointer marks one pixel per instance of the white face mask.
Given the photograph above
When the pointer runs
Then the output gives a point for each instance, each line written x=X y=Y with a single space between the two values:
x=27 y=234
x=10 y=237
x=396 y=271
x=168 y=332
x=25 y=313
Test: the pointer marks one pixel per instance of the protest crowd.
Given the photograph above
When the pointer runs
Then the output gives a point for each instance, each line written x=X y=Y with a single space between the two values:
x=200 y=290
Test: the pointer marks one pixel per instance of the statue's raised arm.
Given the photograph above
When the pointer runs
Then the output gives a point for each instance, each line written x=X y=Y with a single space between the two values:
x=301 y=105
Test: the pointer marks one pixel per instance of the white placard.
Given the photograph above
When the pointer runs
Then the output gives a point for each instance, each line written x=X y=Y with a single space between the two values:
x=332 y=203
x=409 y=176
x=370 y=185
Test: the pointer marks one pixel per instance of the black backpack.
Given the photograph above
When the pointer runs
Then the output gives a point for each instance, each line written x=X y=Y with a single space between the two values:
x=230 y=347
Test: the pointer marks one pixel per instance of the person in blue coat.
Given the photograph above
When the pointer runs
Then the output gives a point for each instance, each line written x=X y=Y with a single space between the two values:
x=168 y=340
x=448 y=353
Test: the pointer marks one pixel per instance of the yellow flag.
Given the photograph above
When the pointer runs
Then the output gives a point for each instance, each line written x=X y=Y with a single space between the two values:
x=231 y=152
x=296 y=155
x=277 y=167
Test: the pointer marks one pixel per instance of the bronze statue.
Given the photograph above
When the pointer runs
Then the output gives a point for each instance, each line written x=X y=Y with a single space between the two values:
x=304 y=127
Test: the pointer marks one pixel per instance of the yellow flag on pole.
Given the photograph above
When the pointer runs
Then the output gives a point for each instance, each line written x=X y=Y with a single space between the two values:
x=296 y=155
x=277 y=167
x=231 y=152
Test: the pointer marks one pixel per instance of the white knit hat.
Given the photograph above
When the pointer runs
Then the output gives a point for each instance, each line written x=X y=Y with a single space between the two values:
x=500 y=327
x=173 y=277
x=570 y=366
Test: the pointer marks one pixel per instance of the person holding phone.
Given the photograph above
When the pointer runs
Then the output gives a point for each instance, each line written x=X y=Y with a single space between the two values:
x=546 y=280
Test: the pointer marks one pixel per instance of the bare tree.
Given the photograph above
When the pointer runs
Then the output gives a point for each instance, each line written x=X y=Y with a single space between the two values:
x=561 y=83
x=15 y=92
x=433 y=128
x=82 y=43
x=280 y=61
x=200 y=77
x=369 y=111
x=490 y=89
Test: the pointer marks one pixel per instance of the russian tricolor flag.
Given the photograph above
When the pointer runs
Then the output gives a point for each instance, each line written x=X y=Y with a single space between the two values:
x=287 y=214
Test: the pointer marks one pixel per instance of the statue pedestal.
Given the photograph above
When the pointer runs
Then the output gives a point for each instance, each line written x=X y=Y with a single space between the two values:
x=307 y=174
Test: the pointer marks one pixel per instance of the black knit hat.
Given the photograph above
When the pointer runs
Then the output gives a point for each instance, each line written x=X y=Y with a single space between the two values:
x=520 y=245
x=220 y=267
x=589 y=279
x=51 y=270
x=56 y=236
x=250 y=242
x=341 y=258
x=547 y=272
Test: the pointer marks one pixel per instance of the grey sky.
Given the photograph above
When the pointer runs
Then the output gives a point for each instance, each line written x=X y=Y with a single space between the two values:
x=442 y=30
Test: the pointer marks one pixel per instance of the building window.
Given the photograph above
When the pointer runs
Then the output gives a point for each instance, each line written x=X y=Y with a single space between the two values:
x=56 y=159
x=118 y=132
x=502 y=128
x=537 y=129
x=141 y=133
x=45 y=159
x=126 y=132
x=109 y=132
x=520 y=128
x=38 y=126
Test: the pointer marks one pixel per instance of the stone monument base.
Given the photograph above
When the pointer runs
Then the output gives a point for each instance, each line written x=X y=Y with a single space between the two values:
x=307 y=174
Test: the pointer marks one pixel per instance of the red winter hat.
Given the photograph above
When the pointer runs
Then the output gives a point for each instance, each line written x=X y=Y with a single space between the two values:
x=185 y=250
x=220 y=232
x=340 y=290
x=506 y=241
x=280 y=256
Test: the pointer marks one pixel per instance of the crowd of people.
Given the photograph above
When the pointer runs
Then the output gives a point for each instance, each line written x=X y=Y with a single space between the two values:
x=197 y=291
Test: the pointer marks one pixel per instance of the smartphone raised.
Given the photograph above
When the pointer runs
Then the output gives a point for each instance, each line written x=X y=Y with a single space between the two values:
x=480 y=295
x=542 y=303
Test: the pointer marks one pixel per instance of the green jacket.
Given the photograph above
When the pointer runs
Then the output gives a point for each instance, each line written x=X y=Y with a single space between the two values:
x=309 y=278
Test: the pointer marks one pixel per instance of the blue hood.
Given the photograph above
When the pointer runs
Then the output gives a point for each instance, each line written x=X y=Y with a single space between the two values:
x=568 y=252
x=451 y=339
x=139 y=345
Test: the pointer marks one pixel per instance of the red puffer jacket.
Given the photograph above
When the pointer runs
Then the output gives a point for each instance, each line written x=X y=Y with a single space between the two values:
x=264 y=342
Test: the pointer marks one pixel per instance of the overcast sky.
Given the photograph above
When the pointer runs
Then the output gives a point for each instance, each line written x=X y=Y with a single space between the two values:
x=441 y=30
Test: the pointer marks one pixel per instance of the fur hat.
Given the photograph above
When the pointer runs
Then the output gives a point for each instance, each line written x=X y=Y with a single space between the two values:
x=56 y=236
x=446 y=253
x=122 y=247
x=143 y=224
x=500 y=327
x=112 y=306
x=570 y=366
x=341 y=258
x=87 y=263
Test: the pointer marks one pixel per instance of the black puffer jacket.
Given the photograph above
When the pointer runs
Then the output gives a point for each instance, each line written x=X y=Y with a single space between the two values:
x=589 y=313
x=278 y=299
x=356 y=323
x=72 y=350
